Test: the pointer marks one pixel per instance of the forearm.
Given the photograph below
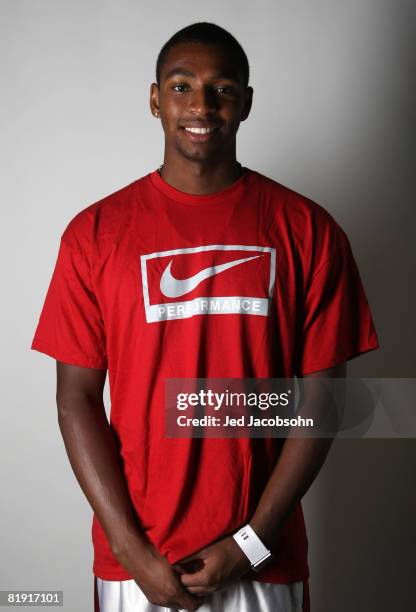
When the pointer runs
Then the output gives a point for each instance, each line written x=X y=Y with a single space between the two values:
x=297 y=467
x=92 y=452
x=301 y=458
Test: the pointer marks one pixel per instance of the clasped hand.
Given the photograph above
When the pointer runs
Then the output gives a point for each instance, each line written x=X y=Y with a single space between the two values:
x=184 y=584
x=212 y=567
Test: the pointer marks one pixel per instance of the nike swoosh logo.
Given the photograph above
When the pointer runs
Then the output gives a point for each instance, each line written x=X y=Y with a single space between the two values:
x=174 y=287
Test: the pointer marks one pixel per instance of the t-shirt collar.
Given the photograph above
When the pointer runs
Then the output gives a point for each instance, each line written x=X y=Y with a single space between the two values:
x=229 y=194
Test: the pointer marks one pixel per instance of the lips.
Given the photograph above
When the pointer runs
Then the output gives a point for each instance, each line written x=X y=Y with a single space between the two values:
x=199 y=133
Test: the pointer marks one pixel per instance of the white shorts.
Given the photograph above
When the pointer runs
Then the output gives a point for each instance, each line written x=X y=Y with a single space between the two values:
x=240 y=596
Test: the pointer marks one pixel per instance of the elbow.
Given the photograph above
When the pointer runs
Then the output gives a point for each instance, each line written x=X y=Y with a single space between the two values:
x=63 y=407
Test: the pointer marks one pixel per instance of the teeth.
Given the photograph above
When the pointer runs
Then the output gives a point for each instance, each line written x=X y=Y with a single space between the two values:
x=199 y=130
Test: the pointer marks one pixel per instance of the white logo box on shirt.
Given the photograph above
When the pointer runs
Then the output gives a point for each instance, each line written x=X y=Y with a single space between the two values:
x=173 y=290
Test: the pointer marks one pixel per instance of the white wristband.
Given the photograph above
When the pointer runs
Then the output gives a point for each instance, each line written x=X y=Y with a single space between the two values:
x=251 y=545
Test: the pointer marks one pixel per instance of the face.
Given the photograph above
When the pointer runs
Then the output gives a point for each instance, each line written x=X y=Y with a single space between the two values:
x=201 y=100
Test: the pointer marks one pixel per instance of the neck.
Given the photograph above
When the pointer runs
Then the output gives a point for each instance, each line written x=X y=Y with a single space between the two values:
x=200 y=178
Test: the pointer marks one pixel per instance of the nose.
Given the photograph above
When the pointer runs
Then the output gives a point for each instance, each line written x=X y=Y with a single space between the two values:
x=203 y=101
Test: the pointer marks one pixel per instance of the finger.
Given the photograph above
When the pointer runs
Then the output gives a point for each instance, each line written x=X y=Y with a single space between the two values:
x=202 y=591
x=195 y=579
x=188 y=601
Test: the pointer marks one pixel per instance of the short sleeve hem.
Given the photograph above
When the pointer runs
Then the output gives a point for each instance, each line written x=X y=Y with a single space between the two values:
x=335 y=361
x=337 y=322
x=71 y=327
x=83 y=361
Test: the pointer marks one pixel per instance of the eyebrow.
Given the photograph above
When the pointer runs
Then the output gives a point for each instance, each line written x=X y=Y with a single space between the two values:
x=188 y=73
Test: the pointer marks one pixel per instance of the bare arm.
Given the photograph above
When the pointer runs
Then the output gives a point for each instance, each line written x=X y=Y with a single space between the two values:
x=92 y=451
x=297 y=467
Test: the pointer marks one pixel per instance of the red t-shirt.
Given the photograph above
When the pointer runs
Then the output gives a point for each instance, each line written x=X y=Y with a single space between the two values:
x=294 y=304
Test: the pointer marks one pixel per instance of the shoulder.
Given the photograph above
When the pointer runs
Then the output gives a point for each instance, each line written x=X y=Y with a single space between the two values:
x=309 y=227
x=292 y=204
x=102 y=219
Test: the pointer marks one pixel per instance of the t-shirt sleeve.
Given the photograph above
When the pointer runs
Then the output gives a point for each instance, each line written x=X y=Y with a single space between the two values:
x=337 y=324
x=70 y=327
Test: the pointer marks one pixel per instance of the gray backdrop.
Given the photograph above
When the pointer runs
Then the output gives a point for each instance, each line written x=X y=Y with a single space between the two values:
x=332 y=119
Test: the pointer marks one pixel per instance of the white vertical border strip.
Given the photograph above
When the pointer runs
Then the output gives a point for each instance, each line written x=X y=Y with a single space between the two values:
x=145 y=286
x=272 y=270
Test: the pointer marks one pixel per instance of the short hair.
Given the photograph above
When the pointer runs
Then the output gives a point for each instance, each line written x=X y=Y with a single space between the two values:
x=208 y=34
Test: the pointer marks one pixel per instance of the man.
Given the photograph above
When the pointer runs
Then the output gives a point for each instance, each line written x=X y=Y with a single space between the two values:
x=145 y=287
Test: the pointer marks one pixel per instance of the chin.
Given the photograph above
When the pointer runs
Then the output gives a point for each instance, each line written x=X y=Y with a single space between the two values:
x=198 y=154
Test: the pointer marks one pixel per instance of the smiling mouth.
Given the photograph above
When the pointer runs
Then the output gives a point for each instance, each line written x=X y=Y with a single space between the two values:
x=199 y=134
x=196 y=130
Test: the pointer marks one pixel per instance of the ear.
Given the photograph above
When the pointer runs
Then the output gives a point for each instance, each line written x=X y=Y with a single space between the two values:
x=154 y=99
x=248 y=101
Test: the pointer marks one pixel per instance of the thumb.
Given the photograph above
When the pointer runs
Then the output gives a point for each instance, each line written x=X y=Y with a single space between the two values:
x=189 y=602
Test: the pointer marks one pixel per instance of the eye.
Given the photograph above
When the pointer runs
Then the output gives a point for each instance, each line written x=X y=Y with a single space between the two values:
x=180 y=85
x=226 y=89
